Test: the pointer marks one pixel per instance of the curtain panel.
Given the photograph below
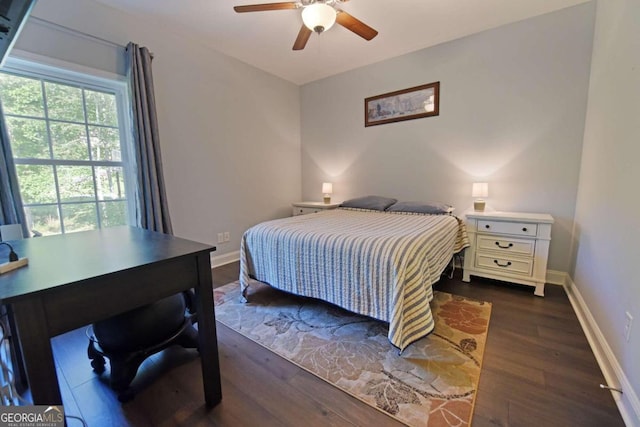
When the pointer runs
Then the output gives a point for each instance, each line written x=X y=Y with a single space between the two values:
x=152 y=211
x=11 y=209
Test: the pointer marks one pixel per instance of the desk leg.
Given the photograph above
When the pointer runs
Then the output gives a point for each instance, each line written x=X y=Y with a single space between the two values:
x=208 y=339
x=35 y=343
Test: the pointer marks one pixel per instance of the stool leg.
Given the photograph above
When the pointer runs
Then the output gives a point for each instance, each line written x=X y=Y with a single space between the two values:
x=188 y=338
x=97 y=361
x=124 y=369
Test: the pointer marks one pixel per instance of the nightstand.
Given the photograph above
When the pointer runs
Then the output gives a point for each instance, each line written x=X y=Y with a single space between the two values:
x=509 y=246
x=302 y=208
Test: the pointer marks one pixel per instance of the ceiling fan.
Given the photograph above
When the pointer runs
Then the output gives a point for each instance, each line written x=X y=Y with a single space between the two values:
x=317 y=15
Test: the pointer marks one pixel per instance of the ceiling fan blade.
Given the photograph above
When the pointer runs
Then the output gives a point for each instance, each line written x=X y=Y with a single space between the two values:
x=267 y=6
x=355 y=25
x=301 y=40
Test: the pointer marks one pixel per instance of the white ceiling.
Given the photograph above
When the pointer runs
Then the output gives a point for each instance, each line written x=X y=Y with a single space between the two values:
x=264 y=39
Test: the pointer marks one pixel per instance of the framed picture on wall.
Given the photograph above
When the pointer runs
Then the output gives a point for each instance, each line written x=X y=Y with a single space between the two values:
x=406 y=104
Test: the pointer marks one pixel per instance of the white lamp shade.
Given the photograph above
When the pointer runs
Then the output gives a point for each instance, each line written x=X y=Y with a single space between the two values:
x=318 y=17
x=480 y=189
x=327 y=188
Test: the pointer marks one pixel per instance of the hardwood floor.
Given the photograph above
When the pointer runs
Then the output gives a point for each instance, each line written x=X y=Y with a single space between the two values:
x=538 y=370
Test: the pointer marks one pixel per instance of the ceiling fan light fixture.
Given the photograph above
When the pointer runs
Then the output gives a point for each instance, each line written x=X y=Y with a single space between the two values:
x=318 y=17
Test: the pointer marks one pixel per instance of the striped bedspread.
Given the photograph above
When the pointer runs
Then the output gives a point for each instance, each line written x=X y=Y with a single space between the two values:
x=379 y=264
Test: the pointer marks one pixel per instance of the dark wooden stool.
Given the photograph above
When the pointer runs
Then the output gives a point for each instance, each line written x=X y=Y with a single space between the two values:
x=129 y=338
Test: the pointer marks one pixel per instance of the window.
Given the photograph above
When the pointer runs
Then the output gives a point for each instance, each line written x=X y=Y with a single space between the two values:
x=67 y=136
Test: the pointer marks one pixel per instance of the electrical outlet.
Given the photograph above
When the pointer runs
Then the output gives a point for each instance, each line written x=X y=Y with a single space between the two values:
x=220 y=237
x=227 y=237
x=627 y=325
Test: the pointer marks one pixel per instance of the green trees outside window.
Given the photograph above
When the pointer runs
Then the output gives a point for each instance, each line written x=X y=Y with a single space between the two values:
x=68 y=150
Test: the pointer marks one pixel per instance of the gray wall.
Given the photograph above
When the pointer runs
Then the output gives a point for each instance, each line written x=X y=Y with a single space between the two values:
x=230 y=133
x=512 y=113
x=608 y=207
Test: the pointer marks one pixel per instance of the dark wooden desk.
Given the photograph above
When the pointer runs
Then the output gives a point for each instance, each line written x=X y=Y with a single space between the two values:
x=79 y=278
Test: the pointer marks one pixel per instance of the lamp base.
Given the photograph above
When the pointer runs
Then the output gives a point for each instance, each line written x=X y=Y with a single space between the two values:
x=478 y=205
x=327 y=200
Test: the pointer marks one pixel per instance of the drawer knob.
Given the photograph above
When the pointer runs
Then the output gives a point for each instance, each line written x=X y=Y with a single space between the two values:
x=502 y=265
x=487 y=226
x=524 y=229
x=510 y=245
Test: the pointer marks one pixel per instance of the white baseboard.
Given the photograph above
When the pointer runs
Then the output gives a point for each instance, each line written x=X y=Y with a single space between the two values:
x=228 y=258
x=627 y=402
x=555 y=277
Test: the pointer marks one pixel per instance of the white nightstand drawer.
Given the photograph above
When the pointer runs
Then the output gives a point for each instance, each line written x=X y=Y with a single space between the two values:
x=303 y=208
x=303 y=211
x=511 y=245
x=511 y=265
x=504 y=227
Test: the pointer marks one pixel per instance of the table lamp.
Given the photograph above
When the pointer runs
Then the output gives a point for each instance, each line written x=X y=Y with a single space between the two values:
x=479 y=191
x=327 y=189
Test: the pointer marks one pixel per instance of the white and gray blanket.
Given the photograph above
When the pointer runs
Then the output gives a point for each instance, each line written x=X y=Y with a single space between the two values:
x=379 y=264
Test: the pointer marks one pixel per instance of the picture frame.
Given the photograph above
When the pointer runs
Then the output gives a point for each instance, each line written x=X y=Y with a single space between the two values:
x=407 y=104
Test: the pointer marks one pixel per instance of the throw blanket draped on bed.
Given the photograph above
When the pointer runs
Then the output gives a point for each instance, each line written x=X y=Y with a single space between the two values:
x=379 y=264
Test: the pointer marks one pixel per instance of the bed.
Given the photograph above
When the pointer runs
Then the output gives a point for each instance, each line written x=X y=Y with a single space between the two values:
x=376 y=263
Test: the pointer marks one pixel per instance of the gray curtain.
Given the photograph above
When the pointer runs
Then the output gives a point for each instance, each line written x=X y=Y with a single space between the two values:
x=152 y=211
x=11 y=209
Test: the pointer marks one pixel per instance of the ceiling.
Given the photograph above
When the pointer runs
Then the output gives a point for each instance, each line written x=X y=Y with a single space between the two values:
x=265 y=39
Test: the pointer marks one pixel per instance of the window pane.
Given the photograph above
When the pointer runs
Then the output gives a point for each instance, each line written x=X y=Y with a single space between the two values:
x=110 y=182
x=105 y=143
x=64 y=102
x=28 y=138
x=63 y=135
x=113 y=213
x=101 y=108
x=79 y=217
x=36 y=184
x=69 y=141
x=43 y=219
x=75 y=183
x=21 y=96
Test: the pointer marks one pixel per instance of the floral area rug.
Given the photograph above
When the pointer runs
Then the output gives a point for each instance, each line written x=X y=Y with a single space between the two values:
x=432 y=383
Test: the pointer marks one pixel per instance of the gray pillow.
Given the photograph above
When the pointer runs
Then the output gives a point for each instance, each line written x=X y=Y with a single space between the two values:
x=421 y=207
x=376 y=203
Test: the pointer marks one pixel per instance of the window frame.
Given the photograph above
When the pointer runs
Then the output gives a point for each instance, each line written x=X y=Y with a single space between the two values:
x=118 y=86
